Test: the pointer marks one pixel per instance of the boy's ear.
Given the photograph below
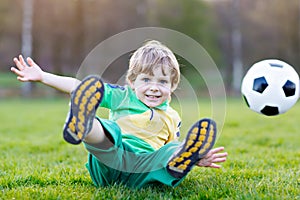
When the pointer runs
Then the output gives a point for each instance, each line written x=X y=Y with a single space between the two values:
x=131 y=84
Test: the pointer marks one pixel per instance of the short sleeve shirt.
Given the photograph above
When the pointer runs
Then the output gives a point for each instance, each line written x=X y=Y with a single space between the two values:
x=156 y=126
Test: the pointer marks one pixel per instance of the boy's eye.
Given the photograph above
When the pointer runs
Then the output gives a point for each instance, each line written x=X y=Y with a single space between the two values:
x=146 y=80
x=163 y=82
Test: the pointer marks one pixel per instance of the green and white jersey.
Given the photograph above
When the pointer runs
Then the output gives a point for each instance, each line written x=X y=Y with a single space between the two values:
x=155 y=126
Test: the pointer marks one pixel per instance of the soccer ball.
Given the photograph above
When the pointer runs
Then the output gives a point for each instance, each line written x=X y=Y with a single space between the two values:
x=270 y=87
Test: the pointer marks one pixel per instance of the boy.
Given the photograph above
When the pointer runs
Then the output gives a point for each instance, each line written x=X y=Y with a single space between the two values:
x=138 y=145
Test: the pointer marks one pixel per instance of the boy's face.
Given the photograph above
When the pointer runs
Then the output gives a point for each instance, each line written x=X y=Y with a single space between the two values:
x=153 y=90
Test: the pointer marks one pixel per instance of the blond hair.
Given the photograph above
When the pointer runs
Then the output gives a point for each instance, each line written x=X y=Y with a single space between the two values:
x=151 y=55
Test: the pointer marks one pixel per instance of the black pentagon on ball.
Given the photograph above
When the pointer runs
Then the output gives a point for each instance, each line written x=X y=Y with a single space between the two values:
x=260 y=84
x=289 y=88
x=270 y=110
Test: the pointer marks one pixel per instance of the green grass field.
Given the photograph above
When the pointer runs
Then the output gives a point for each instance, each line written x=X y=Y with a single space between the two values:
x=36 y=163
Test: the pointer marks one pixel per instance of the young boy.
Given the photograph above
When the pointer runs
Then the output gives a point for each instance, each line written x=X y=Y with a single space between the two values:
x=138 y=145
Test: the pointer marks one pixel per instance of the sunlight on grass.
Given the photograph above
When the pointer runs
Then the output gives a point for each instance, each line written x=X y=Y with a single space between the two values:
x=36 y=163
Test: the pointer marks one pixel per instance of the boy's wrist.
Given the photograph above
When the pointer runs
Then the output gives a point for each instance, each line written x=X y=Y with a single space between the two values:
x=46 y=78
x=43 y=75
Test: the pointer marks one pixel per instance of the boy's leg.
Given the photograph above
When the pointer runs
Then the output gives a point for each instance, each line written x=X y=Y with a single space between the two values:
x=81 y=123
x=98 y=137
x=199 y=140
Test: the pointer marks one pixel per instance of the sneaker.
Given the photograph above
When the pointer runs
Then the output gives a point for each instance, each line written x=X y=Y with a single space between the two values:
x=85 y=100
x=199 y=141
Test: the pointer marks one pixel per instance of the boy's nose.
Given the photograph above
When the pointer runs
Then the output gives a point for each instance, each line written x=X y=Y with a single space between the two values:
x=154 y=87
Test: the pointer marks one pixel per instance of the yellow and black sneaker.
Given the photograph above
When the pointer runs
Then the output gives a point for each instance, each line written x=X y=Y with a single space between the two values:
x=199 y=140
x=85 y=100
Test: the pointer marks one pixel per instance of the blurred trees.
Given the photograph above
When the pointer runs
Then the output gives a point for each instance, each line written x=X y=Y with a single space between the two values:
x=10 y=31
x=270 y=29
x=64 y=32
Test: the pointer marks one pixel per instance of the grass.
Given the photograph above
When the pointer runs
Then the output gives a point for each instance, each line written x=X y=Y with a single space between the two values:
x=263 y=163
x=8 y=80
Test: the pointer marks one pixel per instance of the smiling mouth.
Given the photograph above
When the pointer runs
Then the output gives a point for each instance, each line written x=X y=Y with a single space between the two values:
x=152 y=96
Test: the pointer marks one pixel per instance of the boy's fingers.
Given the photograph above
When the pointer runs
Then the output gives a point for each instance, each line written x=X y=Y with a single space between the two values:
x=22 y=79
x=30 y=61
x=213 y=165
x=218 y=160
x=16 y=71
x=22 y=60
x=220 y=155
x=18 y=64
x=216 y=150
x=13 y=69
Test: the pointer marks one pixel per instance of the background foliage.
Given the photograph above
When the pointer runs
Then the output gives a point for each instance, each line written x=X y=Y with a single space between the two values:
x=64 y=32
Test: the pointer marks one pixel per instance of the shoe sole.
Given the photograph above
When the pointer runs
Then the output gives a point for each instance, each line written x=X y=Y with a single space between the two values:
x=85 y=100
x=199 y=141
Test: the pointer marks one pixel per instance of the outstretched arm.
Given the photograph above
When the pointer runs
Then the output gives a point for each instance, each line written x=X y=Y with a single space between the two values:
x=212 y=157
x=34 y=73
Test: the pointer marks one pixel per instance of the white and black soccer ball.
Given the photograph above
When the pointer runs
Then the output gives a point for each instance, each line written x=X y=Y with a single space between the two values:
x=270 y=87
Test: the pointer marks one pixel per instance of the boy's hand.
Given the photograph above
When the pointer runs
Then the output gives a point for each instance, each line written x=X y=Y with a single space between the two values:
x=212 y=157
x=27 y=73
